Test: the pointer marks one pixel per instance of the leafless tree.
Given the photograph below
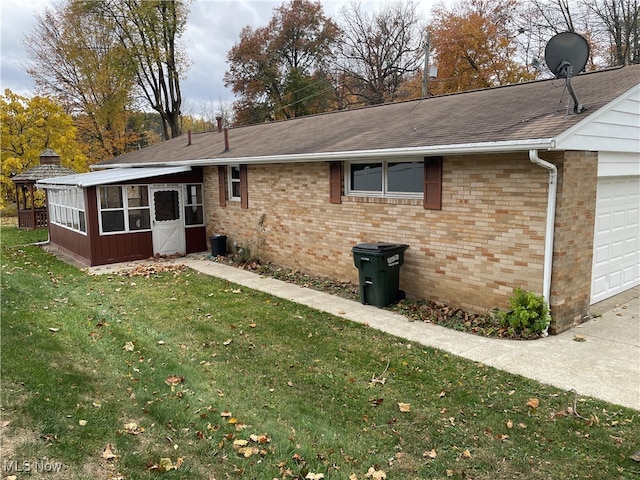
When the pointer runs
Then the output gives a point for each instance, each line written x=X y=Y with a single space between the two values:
x=621 y=21
x=379 y=51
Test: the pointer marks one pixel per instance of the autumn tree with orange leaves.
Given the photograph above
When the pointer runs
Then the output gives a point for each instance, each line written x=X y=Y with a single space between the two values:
x=474 y=46
x=279 y=71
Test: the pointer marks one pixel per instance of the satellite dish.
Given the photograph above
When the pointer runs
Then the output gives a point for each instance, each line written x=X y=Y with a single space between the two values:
x=566 y=53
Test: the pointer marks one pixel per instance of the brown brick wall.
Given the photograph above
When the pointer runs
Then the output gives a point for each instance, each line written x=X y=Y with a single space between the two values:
x=487 y=239
x=573 y=239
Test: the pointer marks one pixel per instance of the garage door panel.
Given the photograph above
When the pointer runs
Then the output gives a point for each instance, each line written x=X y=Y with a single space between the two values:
x=628 y=276
x=631 y=246
x=616 y=250
x=601 y=256
x=619 y=221
x=603 y=223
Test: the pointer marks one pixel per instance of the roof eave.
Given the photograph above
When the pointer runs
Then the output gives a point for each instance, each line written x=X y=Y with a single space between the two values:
x=433 y=150
x=92 y=179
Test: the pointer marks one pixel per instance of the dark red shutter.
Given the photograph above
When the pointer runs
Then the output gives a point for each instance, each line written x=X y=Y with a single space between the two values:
x=222 y=185
x=433 y=183
x=244 y=187
x=335 y=182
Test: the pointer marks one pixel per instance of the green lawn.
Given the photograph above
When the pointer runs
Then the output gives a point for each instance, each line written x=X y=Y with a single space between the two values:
x=109 y=376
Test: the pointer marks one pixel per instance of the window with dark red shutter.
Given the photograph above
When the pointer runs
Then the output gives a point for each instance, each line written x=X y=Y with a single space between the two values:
x=222 y=185
x=244 y=187
x=433 y=183
x=335 y=182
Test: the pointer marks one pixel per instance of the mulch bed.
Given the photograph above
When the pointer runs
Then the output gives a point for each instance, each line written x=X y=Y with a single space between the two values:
x=486 y=325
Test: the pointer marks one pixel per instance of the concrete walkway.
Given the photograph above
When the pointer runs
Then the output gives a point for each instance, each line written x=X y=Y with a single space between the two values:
x=605 y=365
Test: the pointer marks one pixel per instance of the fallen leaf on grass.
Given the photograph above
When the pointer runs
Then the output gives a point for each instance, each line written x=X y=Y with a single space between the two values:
x=509 y=424
x=635 y=457
x=466 y=453
x=619 y=441
x=404 y=407
x=108 y=454
x=82 y=423
x=533 y=403
x=243 y=448
x=174 y=380
x=375 y=474
x=431 y=454
x=314 y=476
x=128 y=347
x=259 y=439
x=133 y=428
x=165 y=464
x=247 y=452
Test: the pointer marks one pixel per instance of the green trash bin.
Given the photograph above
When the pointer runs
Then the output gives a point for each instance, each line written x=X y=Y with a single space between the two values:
x=379 y=272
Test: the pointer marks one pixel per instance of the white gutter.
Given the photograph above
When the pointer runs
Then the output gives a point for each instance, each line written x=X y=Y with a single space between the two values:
x=549 y=233
x=460 y=149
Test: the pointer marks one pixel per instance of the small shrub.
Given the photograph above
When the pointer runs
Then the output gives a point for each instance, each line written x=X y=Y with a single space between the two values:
x=243 y=255
x=529 y=313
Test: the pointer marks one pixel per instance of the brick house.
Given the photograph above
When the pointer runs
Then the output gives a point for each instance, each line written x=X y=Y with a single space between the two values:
x=492 y=190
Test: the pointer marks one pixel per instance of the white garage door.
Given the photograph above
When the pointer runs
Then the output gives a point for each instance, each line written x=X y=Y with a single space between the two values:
x=616 y=249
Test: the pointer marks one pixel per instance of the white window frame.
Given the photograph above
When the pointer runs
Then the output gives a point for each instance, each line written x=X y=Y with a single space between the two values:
x=233 y=181
x=67 y=208
x=125 y=209
x=192 y=204
x=384 y=192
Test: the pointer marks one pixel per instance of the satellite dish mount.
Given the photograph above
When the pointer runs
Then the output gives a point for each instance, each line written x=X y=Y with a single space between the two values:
x=565 y=54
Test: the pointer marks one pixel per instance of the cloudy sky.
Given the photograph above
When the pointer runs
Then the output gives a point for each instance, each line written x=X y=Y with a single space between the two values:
x=212 y=29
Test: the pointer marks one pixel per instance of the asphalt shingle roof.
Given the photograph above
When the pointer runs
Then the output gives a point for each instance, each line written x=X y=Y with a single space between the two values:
x=528 y=111
x=41 y=172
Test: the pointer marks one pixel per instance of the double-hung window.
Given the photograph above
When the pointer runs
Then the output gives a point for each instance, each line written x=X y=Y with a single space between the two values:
x=385 y=179
x=123 y=208
x=234 y=182
x=193 y=205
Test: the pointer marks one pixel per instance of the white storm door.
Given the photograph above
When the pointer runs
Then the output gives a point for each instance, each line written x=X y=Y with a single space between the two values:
x=167 y=223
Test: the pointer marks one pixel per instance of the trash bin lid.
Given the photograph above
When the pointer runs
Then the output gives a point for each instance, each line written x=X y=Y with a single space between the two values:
x=379 y=247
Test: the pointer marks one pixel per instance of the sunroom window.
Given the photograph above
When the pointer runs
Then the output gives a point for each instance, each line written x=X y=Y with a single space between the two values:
x=124 y=208
x=385 y=179
x=67 y=208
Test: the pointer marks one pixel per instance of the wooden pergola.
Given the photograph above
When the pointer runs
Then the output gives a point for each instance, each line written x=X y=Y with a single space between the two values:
x=30 y=216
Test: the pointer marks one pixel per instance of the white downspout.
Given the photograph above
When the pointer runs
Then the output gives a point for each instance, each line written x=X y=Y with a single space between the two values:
x=549 y=233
